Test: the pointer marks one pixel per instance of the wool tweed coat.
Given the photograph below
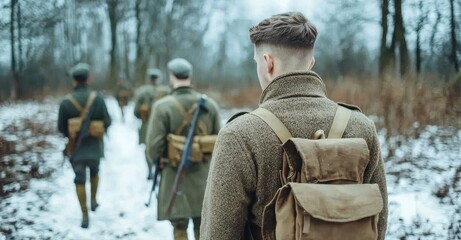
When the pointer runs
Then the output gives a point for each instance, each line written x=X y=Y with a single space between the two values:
x=90 y=148
x=166 y=118
x=244 y=172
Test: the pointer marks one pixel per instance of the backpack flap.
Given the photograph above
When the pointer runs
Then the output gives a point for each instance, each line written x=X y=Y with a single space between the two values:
x=346 y=211
x=328 y=160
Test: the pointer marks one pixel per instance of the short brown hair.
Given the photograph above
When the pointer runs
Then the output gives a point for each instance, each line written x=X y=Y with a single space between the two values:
x=289 y=29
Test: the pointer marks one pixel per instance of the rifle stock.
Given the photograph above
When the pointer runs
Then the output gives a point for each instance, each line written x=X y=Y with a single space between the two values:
x=186 y=155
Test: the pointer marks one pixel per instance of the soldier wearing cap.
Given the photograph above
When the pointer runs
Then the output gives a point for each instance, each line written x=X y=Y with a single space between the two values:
x=123 y=93
x=144 y=97
x=171 y=116
x=88 y=152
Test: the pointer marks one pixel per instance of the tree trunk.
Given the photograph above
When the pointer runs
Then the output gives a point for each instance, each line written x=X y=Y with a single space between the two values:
x=19 y=27
x=384 y=51
x=14 y=91
x=454 y=56
x=113 y=19
x=434 y=31
x=140 y=62
x=398 y=39
x=419 y=27
x=418 y=52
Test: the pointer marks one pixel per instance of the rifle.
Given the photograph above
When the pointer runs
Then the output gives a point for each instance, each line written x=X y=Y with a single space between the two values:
x=157 y=170
x=186 y=154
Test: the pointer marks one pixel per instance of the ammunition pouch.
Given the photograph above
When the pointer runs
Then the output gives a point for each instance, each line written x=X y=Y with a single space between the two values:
x=201 y=146
x=96 y=130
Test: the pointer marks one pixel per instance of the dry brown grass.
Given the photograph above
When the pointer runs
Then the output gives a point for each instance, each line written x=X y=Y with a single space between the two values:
x=404 y=106
x=247 y=97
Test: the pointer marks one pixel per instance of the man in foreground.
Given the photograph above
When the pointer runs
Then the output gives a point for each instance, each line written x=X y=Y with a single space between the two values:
x=245 y=170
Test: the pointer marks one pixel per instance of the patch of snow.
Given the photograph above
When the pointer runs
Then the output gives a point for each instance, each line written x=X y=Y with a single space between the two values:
x=49 y=208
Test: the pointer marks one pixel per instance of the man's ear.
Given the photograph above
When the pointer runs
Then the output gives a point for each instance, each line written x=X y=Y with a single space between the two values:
x=312 y=63
x=269 y=63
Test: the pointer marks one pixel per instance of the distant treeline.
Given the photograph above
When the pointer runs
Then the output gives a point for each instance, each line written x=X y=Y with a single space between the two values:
x=121 y=39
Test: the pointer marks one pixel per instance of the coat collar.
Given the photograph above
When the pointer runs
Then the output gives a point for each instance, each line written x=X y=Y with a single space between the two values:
x=81 y=86
x=182 y=90
x=295 y=84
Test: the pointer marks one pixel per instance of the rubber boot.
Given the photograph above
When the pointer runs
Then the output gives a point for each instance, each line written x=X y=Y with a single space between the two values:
x=94 y=189
x=81 y=194
x=180 y=234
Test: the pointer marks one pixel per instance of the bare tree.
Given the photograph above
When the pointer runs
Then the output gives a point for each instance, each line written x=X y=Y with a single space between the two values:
x=435 y=28
x=398 y=43
x=14 y=94
x=384 y=55
x=454 y=57
x=140 y=62
x=398 y=39
x=114 y=18
x=419 y=27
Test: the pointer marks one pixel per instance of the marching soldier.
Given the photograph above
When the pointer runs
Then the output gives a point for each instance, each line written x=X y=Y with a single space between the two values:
x=85 y=145
x=168 y=124
x=122 y=94
x=144 y=97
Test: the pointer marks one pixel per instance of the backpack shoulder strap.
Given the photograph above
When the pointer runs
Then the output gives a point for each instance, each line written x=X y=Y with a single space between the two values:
x=89 y=102
x=340 y=121
x=187 y=117
x=277 y=126
x=179 y=106
x=74 y=102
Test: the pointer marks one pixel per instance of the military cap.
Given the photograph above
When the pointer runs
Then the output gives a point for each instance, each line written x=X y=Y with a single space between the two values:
x=80 y=70
x=154 y=72
x=180 y=67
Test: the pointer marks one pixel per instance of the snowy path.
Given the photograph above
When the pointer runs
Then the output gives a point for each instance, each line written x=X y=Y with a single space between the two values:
x=49 y=209
x=122 y=193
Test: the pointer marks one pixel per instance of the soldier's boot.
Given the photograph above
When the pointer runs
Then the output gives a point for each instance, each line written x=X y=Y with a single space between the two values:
x=94 y=189
x=81 y=194
x=180 y=234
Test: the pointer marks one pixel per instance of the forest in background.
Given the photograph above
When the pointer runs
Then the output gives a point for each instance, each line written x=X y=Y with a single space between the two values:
x=396 y=59
x=410 y=60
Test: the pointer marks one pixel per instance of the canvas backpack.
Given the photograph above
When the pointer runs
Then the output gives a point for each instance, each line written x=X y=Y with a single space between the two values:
x=95 y=129
x=202 y=143
x=322 y=195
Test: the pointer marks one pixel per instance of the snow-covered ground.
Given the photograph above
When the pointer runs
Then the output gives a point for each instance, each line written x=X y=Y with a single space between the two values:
x=49 y=208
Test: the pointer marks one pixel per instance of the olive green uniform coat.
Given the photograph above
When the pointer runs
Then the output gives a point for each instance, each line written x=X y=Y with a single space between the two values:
x=90 y=148
x=244 y=172
x=164 y=119
x=147 y=94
